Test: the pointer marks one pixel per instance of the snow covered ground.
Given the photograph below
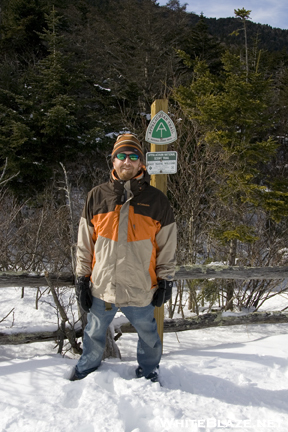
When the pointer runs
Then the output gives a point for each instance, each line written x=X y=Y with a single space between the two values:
x=233 y=378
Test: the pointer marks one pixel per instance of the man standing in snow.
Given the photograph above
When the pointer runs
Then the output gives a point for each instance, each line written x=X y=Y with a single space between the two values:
x=125 y=259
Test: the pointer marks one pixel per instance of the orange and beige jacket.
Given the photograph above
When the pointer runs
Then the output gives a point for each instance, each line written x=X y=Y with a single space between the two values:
x=126 y=241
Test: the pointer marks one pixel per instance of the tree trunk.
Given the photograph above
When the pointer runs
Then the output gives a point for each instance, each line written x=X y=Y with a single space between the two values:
x=30 y=337
x=111 y=348
x=170 y=326
x=196 y=271
x=216 y=320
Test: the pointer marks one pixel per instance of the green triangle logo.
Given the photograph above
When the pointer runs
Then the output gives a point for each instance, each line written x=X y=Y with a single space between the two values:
x=161 y=130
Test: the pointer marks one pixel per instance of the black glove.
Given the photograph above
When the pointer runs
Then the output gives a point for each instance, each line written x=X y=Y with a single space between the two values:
x=83 y=293
x=163 y=293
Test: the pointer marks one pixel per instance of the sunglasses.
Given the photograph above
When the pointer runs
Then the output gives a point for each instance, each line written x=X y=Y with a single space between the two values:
x=122 y=156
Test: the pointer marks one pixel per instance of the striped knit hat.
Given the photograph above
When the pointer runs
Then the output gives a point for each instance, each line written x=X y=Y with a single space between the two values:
x=127 y=142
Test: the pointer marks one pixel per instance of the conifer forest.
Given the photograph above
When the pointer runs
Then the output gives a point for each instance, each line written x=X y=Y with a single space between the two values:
x=75 y=74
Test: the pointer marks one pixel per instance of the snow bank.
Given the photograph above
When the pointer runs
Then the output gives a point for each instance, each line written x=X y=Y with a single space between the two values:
x=232 y=378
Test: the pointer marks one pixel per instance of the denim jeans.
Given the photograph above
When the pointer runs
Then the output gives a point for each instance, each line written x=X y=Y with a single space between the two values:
x=149 y=347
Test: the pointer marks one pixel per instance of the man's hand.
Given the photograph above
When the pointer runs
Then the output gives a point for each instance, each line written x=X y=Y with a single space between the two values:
x=163 y=293
x=83 y=293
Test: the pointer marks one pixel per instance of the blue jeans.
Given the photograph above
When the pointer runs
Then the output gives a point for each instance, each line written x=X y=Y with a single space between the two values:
x=149 y=347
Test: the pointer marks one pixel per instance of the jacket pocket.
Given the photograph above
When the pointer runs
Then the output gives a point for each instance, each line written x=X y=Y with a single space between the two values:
x=139 y=255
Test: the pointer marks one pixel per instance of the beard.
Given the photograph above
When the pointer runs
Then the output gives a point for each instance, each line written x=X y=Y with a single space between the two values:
x=127 y=173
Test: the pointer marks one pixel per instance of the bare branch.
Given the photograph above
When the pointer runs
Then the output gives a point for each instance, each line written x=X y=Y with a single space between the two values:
x=2 y=182
x=3 y=319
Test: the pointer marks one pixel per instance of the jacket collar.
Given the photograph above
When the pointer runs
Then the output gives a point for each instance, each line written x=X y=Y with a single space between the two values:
x=137 y=183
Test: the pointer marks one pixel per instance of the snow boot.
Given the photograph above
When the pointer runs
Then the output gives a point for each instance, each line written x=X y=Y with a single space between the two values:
x=73 y=376
x=152 y=376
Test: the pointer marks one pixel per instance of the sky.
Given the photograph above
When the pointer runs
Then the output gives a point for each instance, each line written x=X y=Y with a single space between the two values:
x=271 y=12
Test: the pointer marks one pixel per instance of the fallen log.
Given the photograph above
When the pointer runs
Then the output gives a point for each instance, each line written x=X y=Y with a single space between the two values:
x=30 y=337
x=33 y=280
x=170 y=326
x=215 y=319
x=229 y=272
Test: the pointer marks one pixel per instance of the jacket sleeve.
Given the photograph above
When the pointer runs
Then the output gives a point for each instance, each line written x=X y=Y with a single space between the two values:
x=86 y=242
x=166 y=245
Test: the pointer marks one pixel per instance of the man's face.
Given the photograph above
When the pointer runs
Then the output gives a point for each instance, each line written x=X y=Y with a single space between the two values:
x=126 y=169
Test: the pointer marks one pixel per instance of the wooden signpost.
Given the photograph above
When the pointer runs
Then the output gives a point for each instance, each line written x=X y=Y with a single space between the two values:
x=160 y=182
x=161 y=130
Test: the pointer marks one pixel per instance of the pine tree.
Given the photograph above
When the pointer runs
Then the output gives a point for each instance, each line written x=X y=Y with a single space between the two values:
x=20 y=22
x=133 y=50
x=234 y=117
x=55 y=117
x=200 y=45
x=244 y=15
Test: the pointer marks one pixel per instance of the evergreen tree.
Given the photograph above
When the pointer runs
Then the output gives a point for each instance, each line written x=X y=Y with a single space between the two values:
x=21 y=22
x=233 y=115
x=56 y=118
x=63 y=91
x=200 y=45
x=133 y=51
x=244 y=15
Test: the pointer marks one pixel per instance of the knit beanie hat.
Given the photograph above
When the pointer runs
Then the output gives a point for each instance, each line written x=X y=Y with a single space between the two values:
x=127 y=142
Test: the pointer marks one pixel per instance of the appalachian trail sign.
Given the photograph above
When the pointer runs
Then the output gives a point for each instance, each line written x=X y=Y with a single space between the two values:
x=161 y=130
x=161 y=162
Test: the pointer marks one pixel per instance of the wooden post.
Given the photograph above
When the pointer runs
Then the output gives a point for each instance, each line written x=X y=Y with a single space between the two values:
x=160 y=182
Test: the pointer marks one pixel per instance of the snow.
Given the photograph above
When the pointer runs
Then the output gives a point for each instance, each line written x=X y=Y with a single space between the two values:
x=102 y=88
x=227 y=378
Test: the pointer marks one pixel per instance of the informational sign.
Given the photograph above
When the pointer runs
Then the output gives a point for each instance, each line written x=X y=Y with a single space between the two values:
x=161 y=130
x=161 y=162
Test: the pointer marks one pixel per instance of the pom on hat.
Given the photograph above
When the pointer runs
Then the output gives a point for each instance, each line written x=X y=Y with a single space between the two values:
x=127 y=142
